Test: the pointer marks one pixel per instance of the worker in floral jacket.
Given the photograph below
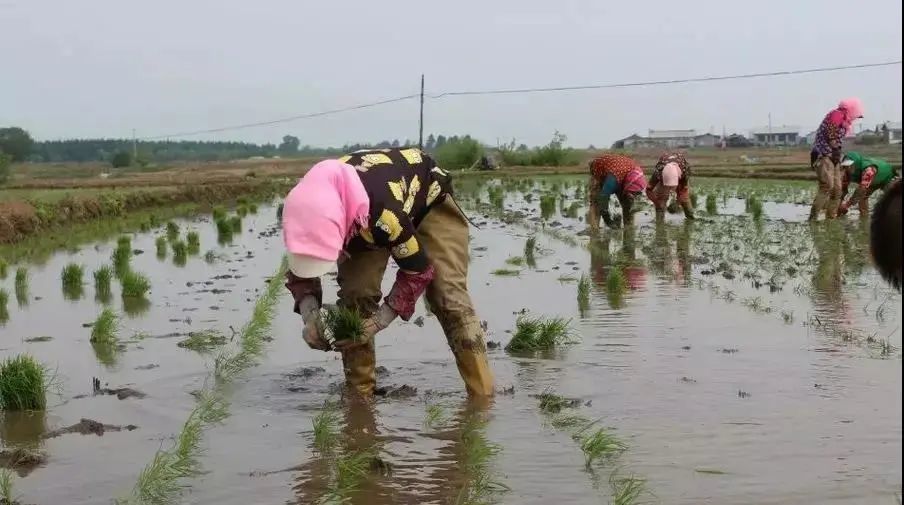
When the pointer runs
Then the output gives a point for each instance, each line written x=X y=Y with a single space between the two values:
x=613 y=174
x=671 y=175
x=360 y=210
x=825 y=157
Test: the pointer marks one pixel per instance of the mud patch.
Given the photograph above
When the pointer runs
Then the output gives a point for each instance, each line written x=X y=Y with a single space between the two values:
x=89 y=427
x=38 y=339
x=396 y=392
x=21 y=461
x=120 y=393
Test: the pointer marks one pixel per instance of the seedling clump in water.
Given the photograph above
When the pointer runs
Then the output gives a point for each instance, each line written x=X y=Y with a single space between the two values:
x=134 y=285
x=344 y=323
x=539 y=334
x=180 y=253
x=160 y=243
x=711 y=208
x=23 y=384
x=102 y=279
x=103 y=331
x=530 y=248
x=4 y=311
x=172 y=231
x=584 y=293
x=326 y=428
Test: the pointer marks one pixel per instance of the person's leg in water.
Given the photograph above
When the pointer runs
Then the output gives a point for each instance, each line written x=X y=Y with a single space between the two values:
x=824 y=174
x=660 y=198
x=359 y=279
x=837 y=177
x=593 y=209
x=684 y=199
x=444 y=233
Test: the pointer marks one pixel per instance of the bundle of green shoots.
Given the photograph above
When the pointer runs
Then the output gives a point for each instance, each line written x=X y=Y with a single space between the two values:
x=342 y=323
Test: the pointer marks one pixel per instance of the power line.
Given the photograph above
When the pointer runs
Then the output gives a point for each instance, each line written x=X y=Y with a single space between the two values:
x=282 y=120
x=664 y=82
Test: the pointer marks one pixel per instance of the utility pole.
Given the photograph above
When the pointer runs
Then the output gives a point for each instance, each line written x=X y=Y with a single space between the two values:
x=134 y=146
x=420 y=135
x=769 y=139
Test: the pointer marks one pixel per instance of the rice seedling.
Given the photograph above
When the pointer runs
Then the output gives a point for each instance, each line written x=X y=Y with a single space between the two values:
x=530 y=249
x=218 y=213
x=210 y=257
x=124 y=242
x=7 y=497
x=616 y=285
x=584 y=293
x=193 y=240
x=350 y=469
x=326 y=428
x=72 y=281
x=600 y=445
x=551 y=403
x=104 y=329
x=180 y=253
x=134 y=284
x=21 y=277
x=506 y=272
x=224 y=231
x=24 y=383
x=754 y=206
x=4 y=269
x=241 y=210
x=241 y=201
x=252 y=208
x=572 y=210
x=538 y=333
x=627 y=490
x=203 y=341
x=172 y=231
x=435 y=416
x=235 y=224
x=515 y=261
x=121 y=258
x=160 y=243
x=4 y=311
x=343 y=323
x=547 y=206
x=571 y=422
x=135 y=306
x=711 y=207
x=102 y=279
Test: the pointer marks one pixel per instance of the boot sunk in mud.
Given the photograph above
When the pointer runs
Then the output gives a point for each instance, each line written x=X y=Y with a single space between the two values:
x=357 y=212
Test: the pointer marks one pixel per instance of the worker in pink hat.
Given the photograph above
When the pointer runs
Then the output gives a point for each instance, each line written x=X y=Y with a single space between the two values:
x=613 y=174
x=357 y=212
x=826 y=155
x=670 y=176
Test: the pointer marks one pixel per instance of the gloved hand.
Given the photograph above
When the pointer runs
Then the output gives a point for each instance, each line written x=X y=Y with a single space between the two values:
x=372 y=325
x=313 y=327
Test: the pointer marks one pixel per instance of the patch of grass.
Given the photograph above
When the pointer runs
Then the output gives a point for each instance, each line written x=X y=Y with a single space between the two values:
x=23 y=384
x=102 y=280
x=210 y=257
x=203 y=341
x=121 y=258
x=530 y=250
x=343 y=323
x=72 y=281
x=600 y=445
x=180 y=253
x=506 y=272
x=584 y=293
x=104 y=329
x=326 y=428
x=160 y=243
x=172 y=231
x=711 y=207
x=539 y=333
x=235 y=223
x=134 y=284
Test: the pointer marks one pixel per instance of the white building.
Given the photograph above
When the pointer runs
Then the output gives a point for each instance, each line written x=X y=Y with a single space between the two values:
x=894 y=132
x=776 y=135
x=672 y=138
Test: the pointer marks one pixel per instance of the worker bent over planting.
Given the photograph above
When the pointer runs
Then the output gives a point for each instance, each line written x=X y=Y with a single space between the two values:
x=825 y=157
x=358 y=211
x=671 y=175
x=869 y=174
x=613 y=174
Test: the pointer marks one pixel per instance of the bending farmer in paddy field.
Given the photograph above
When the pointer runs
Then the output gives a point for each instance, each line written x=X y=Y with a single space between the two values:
x=869 y=174
x=360 y=210
x=613 y=174
x=825 y=157
x=671 y=175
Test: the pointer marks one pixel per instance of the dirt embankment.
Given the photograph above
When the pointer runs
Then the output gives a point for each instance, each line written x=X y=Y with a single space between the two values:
x=21 y=218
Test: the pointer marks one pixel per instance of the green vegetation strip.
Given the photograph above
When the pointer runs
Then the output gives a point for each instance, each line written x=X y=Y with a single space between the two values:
x=162 y=480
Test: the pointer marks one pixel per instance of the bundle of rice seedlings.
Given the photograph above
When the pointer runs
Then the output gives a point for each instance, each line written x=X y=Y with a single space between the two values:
x=134 y=284
x=583 y=293
x=22 y=278
x=218 y=213
x=121 y=257
x=72 y=280
x=547 y=206
x=252 y=208
x=102 y=278
x=235 y=223
x=203 y=341
x=539 y=333
x=160 y=243
x=23 y=384
x=343 y=323
x=7 y=497
x=435 y=416
x=599 y=445
x=180 y=253
x=172 y=231
x=124 y=242
x=210 y=257
x=626 y=490
x=711 y=208
x=616 y=283
x=193 y=241
x=104 y=329
x=530 y=249
x=241 y=211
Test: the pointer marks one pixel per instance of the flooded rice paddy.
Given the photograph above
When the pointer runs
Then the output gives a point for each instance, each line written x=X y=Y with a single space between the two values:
x=746 y=357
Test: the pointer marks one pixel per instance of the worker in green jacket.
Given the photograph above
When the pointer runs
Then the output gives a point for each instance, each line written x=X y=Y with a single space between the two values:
x=870 y=174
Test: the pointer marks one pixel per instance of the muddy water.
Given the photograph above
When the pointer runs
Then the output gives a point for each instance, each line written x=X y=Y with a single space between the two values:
x=819 y=420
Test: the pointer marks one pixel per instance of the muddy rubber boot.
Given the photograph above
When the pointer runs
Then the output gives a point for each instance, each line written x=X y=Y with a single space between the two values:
x=814 y=214
x=688 y=210
x=359 y=365
x=475 y=372
x=660 y=215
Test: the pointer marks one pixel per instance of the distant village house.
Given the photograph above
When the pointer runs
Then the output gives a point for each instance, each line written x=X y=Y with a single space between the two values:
x=776 y=136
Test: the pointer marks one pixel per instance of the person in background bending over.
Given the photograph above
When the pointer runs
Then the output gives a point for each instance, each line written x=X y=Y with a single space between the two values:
x=359 y=211
x=613 y=174
x=885 y=235
x=825 y=157
x=870 y=175
x=670 y=176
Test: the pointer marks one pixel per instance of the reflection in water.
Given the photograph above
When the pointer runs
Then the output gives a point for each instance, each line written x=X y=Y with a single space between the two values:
x=615 y=275
x=662 y=262
x=457 y=471
x=135 y=306
x=830 y=243
x=107 y=353
x=23 y=428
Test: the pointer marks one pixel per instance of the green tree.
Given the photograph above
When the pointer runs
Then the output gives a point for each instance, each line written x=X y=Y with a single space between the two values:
x=289 y=145
x=16 y=142
x=395 y=143
x=459 y=153
x=440 y=141
x=430 y=143
x=121 y=159
x=4 y=167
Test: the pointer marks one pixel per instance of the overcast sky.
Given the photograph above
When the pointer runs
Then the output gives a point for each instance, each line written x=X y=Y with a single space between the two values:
x=99 y=68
